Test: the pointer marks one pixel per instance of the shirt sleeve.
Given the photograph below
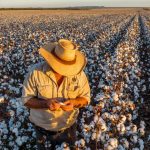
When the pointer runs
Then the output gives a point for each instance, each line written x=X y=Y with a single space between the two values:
x=29 y=87
x=84 y=90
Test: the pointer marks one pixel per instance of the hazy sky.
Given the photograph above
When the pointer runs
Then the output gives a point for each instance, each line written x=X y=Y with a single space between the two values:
x=68 y=3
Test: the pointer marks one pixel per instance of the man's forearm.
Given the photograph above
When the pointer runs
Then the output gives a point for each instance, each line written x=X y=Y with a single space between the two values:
x=37 y=103
x=80 y=102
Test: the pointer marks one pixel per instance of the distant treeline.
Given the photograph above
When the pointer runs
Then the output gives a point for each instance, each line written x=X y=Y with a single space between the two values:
x=64 y=8
x=74 y=8
x=147 y=9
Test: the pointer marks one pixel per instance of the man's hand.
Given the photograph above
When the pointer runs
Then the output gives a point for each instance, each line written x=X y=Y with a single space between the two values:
x=75 y=103
x=68 y=106
x=53 y=104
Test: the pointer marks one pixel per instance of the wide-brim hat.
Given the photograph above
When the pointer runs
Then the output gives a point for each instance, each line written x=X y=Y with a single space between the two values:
x=64 y=57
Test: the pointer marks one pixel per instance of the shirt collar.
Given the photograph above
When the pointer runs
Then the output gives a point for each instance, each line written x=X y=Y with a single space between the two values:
x=49 y=72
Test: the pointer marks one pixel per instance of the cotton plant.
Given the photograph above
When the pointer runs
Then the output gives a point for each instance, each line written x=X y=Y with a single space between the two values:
x=120 y=113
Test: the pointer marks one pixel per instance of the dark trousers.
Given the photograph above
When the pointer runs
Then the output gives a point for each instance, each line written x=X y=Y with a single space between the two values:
x=47 y=140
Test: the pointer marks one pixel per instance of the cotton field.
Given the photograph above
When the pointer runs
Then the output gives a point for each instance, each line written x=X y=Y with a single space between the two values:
x=117 y=46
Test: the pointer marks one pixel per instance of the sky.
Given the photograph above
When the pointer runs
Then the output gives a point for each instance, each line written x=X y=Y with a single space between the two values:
x=71 y=3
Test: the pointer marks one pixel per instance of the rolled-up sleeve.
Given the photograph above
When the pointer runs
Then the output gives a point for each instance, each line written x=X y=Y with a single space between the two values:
x=29 y=87
x=84 y=90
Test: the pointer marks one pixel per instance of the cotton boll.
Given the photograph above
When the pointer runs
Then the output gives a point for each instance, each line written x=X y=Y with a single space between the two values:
x=108 y=147
x=101 y=104
x=86 y=128
x=128 y=130
x=102 y=138
x=141 y=131
x=118 y=108
x=125 y=143
x=5 y=131
x=90 y=108
x=5 y=137
x=99 y=97
x=64 y=146
x=144 y=88
x=98 y=135
x=11 y=143
x=148 y=138
x=33 y=134
x=141 y=143
x=134 y=128
x=122 y=119
x=120 y=147
x=134 y=138
x=114 y=109
x=19 y=141
x=135 y=115
x=115 y=97
x=96 y=117
x=105 y=115
x=131 y=105
x=11 y=128
x=87 y=148
x=101 y=121
x=114 y=118
x=93 y=136
x=24 y=138
x=92 y=125
x=103 y=127
x=123 y=104
x=113 y=142
x=82 y=120
x=15 y=130
x=142 y=124
x=135 y=148
x=2 y=99
x=80 y=143
x=12 y=113
x=18 y=124
x=126 y=86
x=120 y=70
x=121 y=128
x=129 y=117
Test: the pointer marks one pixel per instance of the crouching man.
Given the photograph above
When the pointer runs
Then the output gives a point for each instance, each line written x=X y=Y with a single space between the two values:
x=54 y=90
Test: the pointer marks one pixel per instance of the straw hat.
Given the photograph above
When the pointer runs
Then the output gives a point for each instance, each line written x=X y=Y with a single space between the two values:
x=64 y=57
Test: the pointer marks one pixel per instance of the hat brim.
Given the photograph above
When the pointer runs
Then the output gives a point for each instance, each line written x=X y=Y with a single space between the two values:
x=64 y=68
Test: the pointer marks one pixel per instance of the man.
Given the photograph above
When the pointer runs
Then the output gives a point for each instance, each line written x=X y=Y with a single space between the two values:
x=54 y=91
